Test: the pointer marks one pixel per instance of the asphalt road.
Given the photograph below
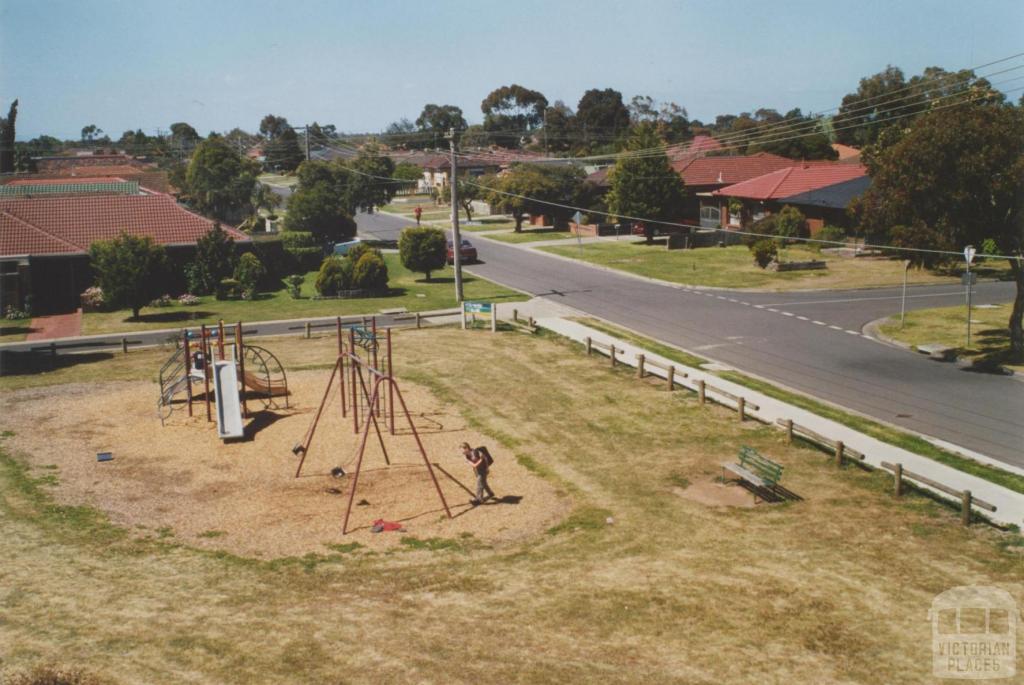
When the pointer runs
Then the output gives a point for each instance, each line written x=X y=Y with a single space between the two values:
x=809 y=341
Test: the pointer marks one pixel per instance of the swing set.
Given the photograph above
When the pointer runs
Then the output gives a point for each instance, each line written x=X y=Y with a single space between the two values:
x=369 y=397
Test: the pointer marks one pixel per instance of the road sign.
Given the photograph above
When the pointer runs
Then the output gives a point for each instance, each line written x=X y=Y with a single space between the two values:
x=969 y=253
x=577 y=218
x=968 y=278
x=478 y=307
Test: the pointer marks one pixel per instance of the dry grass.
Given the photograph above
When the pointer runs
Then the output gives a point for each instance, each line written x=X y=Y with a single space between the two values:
x=833 y=588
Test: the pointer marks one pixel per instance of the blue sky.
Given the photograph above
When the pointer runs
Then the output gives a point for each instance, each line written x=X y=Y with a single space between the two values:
x=218 y=64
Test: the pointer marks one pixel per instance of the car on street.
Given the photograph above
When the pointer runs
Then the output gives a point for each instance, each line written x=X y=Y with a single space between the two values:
x=467 y=255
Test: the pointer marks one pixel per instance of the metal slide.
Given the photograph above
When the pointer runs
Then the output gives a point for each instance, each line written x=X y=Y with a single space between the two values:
x=229 y=405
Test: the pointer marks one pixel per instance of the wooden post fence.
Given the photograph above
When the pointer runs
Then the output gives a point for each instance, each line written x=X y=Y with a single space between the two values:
x=640 y=366
x=741 y=408
x=840 y=450
x=701 y=394
x=897 y=483
x=670 y=380
x=789 y=431
x=611 y=354
x=590 y=345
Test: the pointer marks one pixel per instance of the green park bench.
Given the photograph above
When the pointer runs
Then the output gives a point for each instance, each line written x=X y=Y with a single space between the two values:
x=757 y=470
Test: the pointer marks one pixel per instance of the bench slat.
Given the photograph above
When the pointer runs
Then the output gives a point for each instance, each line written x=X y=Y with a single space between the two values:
x=766 y=469
x=744 y=474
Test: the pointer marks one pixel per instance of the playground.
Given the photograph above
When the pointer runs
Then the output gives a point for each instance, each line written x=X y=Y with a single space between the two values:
x=190 y=557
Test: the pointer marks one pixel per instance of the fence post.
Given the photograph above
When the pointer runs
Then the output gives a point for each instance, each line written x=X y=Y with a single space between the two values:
x=53 y=350
x=589 y=344
x=309 y=328
x=840 y=450
x=640 y=366
x=670 y=378
x=124 y=345
x=701 y=395
x=515 y=315
x=417 y=319
x=966 y=505
x=494 y=317
x=897 y=484
x=741 y=409
x=611 y=354
x=533 y=324
x=789 y=431
x=462 y=310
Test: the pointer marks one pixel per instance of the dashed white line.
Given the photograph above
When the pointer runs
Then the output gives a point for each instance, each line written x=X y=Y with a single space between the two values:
x=802 y=318
x=773 y=310
x=835 y=328
x=820 y=323
x=787 y=313
x=853 y=332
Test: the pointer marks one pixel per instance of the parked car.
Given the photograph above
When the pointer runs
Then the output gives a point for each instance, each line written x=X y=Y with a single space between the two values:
x=467 y=254
x=341 y=249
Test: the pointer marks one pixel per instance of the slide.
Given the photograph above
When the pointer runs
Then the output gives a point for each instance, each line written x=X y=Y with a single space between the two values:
x=229 y=405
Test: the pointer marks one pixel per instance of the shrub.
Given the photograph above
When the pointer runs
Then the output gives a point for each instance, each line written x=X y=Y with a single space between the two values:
x=356 y=252
x=335 y=275
x=188 y=300
x=764 y=252
x=832 y=233
x=162 y=301
x=92 y=299
x=276 y=260
x=293 y=239
x=215 y=260
x=422 y=249
x=12 y=313
x=305 y=258
x=295 y=282
x=370 y=272
x=791 y=223
x=249 y=272
x=228 y=289
x=128 y=269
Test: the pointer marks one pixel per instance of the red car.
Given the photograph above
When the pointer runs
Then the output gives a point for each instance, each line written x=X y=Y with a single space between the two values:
x=467 y=255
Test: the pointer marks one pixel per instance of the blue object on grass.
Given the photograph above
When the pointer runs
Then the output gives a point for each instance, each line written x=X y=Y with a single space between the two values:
x=104 y=456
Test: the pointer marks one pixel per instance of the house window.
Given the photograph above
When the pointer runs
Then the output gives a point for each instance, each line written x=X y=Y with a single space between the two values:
x=710 y=217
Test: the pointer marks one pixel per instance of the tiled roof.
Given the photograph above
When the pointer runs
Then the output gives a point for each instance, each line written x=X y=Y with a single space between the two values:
x=725 y=170
x=62 y=225
x=60 y=180
x=838 y=195
x=105 y=170
x=71 y=186
x=794 y=180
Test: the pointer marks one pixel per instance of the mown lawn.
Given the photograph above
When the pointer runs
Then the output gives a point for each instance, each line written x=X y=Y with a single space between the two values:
x=530 y=235
x=638 y=584
x=408 y=290
x=14 y=330
x=733 y=267
x=990 y=332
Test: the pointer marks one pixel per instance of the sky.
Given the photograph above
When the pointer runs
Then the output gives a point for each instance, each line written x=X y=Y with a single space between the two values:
x=360 y=65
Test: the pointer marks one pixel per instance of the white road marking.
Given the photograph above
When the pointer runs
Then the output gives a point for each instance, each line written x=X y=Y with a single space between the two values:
x=820 y=323
x=802 y=318
x=787 y=313
x=835 y=328
x=853 y=332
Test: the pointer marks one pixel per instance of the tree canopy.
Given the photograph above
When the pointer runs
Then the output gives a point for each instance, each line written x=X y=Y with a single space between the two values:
x=645 y=186
x=219 y=182
x=127 y=270
x=955 y=179
x=510 y=112
x=434 y=122
x=422 y=249
x=7 y=126
x=531 y=188
x=601 y=116
x=281 y=147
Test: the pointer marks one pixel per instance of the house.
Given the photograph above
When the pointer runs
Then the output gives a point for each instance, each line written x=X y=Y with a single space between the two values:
x=821 y=190
x=67 y=165
x=704 y=175
x=44 y=241
x=76 y=185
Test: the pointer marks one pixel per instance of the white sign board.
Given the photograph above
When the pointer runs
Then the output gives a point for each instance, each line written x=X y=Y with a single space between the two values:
x=969 y=253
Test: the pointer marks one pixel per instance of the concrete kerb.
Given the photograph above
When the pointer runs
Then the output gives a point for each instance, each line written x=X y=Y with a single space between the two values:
x=1010 y=505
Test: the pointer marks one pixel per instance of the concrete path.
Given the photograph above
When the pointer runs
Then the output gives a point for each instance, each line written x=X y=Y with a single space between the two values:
x=56 y=326
x=1010 y=505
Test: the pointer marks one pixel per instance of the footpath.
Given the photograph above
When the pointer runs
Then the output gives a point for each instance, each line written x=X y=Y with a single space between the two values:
x=1009 y=504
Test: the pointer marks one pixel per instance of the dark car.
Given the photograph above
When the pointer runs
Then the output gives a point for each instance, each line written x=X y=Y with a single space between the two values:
x=467 y=255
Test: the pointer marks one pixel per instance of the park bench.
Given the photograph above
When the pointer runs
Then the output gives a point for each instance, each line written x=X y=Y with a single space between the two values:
x=757 y=470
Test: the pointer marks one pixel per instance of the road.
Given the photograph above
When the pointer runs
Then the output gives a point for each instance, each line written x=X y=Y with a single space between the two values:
x=808 y=341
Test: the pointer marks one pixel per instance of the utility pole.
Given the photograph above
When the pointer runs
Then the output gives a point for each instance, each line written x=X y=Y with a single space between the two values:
x=307 y=141
x=903 y=299
x=969 y=252
x=456 y=238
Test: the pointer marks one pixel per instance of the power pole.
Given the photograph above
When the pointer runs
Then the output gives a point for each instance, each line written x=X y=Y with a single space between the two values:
x=307 y=141
x=456 y=238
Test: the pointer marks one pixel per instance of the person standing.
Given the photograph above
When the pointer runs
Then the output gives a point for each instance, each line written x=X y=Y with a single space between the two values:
x=478 y=459
x=418 y=212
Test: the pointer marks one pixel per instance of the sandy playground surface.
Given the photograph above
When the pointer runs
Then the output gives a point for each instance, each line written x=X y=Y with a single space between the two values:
x=242 y=496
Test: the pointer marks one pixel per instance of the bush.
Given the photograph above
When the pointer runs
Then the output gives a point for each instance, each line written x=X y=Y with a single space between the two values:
x=370 y=272
x=295 y=282
x=248 y=273
x=422 y=249
x=356 y=252
x=228 y=289
x=92 y=299
x=764 y=252
x=162 y=301
x=335 y=276
x=215 y=260
x=293 y=239
x=305 y=258
x=128 y=269
x=188 y=300
x=12 y=313
x=832 y=233
x=276 y=260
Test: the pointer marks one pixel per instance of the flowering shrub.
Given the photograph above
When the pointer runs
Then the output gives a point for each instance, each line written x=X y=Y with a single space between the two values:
x=92 y=298
x=188 y=300
x=162 y=301
x=12 y=313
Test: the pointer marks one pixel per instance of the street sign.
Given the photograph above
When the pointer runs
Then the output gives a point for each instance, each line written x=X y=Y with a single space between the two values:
x=577 y=218
x=968 y=278
x=478 y=307
x=969 y=253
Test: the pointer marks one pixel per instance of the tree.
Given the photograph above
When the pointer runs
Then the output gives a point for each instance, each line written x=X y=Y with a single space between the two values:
x=955 y=179
x=370 y=273
x=645 y=187
x=600 y=115
x=281 y=144
x=534 y=189
x=215 y=260
x=248 y=273
x=435 y=121
x=512 y=111
x=469 y=191
x=369 y=183
x=90 y=133
x=670 y=120
x=220 y=182
x=320 y=202
x=183 y=137
x=319 y=136
x=798 y=137
x=335 y=275
x=423 y=249
x=127 y=270
x=559 y=133
x=7 y=126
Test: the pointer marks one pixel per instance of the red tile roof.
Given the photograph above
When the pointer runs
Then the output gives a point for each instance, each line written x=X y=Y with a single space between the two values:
x=64 y=180
x=69 y=225
x=725 y=170
x=105 y=170
x=794 y=180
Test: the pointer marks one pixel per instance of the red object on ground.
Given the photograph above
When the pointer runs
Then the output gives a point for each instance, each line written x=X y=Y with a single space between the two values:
x=56 y=326
x=387 y=525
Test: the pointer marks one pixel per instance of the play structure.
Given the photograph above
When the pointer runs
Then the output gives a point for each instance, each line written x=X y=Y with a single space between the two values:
x=239 y=373
x=370 y=398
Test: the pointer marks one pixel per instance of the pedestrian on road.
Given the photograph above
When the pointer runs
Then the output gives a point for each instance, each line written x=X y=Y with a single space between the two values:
x=418 y=212
x=480 y=460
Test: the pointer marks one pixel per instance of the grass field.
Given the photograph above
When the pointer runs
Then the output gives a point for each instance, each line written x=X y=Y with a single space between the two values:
x=13 y=331
x=733 y=267
x=990 y=334
x=531 y=235
x=642 y=581
x=408 y=290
